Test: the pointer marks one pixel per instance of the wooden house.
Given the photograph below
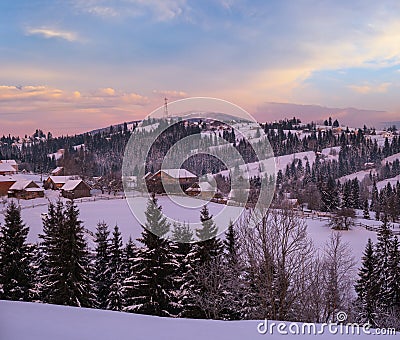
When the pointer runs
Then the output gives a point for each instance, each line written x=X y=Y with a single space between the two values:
x=11 y=162
x=7 y=169
x=56 y=182
x=169 y=180
x=203 y=190
x=5 y=183
x=25 y=189
x=75 y=188
x=59 y=171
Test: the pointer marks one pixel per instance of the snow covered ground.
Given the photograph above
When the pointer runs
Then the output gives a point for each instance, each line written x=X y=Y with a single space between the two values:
x=391 y=158
x=393 y=181
x=117 y=211
x=34 y=321
x=360 y=175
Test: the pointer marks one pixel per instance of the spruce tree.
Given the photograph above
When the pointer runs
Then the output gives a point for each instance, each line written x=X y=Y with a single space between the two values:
x=115 y=299
x=101 y=270
x=49 y=249
x=67 y=258
x=366 y=210
x=367 y=286
x=394 y=277
x=16 y=276
x=233 y=293
x=383 y=250
x=204 y=255
x=150 y=288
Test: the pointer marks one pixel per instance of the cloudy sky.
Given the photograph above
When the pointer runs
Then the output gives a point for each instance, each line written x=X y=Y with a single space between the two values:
x=72 y=65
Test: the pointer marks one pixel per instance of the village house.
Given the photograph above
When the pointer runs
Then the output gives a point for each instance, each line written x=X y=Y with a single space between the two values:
x=167 y=180
x=25 y=189
x=5 y=183
x=7 y=169
x=75 y=188
x=12 y=162
x=202 y=190
x=59 y=171
x=56 y=182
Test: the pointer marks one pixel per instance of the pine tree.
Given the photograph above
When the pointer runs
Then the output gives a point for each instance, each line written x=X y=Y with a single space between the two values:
x=366 y=209
x=205 y=255
x=383 y=249
x=67 y=258
x=101 y=271
x=49 y=249
x=394 y=276
x=355 y=193
x=150 y=288
x=233 y=273
x=367 y=287
x=115 y=299
x=16 y=276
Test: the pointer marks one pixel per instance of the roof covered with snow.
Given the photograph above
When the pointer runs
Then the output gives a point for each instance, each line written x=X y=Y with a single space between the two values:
x=60 y=179
x=6 y=167
x=59 y=168
x=202 y=187
x=178 y=173
x=7 y=179
x=22 y=184
x=72 y=184
x=9 y=161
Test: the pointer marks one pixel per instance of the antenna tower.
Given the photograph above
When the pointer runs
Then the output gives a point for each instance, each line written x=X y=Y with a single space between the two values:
x=166 y=114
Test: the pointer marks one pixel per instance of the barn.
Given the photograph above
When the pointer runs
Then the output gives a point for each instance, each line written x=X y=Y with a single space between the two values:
x=75 y=188
x=170 y=179
x=56 y=182
x=5 y=183
x=7 y=169
x=11 y=162
x=59 y=171
x=202 y=190
x=25 y=189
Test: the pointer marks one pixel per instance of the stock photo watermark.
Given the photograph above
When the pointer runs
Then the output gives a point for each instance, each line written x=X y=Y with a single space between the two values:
x=340 y=327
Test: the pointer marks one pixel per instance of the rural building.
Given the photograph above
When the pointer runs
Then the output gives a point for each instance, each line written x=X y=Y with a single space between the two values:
x=59 y=171
x=56 y=182
x=75 y=188
x=7 y=169
x=5 y=183
x=202 y=190
x=25 y=189
x=169 y=179
x=11 y=162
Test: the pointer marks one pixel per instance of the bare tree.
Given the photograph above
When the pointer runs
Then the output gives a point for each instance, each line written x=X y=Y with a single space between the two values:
x=278 y=254
x=338 y=276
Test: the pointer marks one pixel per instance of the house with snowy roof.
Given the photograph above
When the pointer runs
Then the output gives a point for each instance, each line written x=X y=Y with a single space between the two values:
x=25 y=189
x=59 y=171
x=75 y=188
x=171 y=180
x=11 y=162
x=7 y=169
x=56 y=182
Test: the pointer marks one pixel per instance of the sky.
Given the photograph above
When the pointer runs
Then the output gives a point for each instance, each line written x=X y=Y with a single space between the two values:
x=69 y=66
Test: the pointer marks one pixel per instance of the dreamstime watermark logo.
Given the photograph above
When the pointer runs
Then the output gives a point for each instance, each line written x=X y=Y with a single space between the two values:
x=309 y=328
x=195 y=151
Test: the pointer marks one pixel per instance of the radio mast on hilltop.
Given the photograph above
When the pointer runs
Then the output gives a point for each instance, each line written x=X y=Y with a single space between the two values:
x=166 y=114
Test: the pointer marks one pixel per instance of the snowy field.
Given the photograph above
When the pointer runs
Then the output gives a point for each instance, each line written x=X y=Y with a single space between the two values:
x=360 y=175
x=393 y=181
x=391 y=158
x=34 y=321
x=117 y=211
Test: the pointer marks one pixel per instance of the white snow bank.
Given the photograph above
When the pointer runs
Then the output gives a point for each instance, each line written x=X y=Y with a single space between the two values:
x=34 y=321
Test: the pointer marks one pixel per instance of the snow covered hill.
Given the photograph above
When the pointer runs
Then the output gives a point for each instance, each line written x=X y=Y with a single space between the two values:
x=34 y=321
